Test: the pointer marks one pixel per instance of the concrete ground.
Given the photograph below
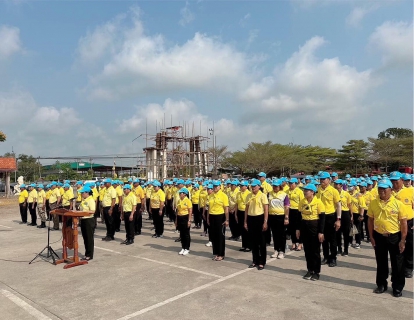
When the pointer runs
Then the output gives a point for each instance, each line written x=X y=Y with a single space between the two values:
x=149 y=280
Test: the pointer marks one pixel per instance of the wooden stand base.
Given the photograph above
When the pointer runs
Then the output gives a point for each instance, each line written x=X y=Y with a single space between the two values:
x=70 y=263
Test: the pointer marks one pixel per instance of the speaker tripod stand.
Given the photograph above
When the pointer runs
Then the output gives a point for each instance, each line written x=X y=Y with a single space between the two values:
x=48 y=249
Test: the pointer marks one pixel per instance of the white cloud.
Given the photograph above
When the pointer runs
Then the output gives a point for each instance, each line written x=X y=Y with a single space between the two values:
x=140 y=63
x=187 y=16
x=253 y=34
x=243 y=21
x=357 y=14
x=10 y=42
x=395 y=42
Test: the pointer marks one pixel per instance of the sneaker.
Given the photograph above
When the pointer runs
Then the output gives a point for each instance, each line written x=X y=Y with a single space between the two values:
x=154 y=235
x=186 y=252
x=315 y=277
x=176 y=231
x=324 y=261
x=357 y=246
x=181 y=252
x=275 y=255
x=209 y=244
x=307 y=276
x=344 y=254
x=161 y=236
x=332 y=263
x=281 y=255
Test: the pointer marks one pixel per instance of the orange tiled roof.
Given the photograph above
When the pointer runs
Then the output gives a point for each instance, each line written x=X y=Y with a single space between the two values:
x=7 y=165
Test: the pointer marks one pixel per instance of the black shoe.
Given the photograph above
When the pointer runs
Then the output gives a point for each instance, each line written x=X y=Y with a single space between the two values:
x=177 y=240
x=344 y=254
x=155 y=235
x=247 y=250
x=129 y=242
x=307 y=276
x=408 y=274
x=252 y=266
x=117 y=230
x=324 y=261
x=242 y=249
x=22 y=222
x=260 y=268
x=137 y=233
x=339 y=251
x=53 y=229
x=42 y=226
x=397 y=293
x=332 y=263
x=380 y=289
x=125 y=242
x=236 y=239
x=315 y=277
x=104 y=238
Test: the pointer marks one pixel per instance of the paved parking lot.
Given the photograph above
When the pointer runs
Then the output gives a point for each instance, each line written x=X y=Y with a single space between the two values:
x=149 y=280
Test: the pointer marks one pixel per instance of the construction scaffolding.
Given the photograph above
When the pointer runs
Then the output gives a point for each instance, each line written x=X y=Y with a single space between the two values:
x=176 y=155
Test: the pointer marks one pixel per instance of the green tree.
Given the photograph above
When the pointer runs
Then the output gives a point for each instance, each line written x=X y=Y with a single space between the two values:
x=2 y=136
x=353 y=155
x=217 y=155
x=28 y=167
x=395 y=133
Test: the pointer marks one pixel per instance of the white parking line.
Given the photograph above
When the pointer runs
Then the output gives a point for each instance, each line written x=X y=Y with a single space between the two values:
x=24 y=305
x=5 y=226
x=187 y=293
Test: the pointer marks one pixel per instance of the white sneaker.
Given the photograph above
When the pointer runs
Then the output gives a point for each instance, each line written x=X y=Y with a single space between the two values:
x=281 y=255
x=275 y=255
x=181 y=252
x=176 y=231
x=209 y=244
x=186 y=252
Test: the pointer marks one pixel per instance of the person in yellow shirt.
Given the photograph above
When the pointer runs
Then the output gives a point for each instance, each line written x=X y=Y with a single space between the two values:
x=346 y=218
x=108 y=203
x=232 y=195
x=32 y=203
x=241 y=211
x=265 y=186
x=387 y=224
x=88 y=204
x=183 y=220
x=101 y=195
x=78 y=195
x=312 y=228
x=157 y=203
x=54 y=203
x=255 y=222
x=41 y=205
x=368 y=197
x=128 y=208
x=332 y=202
x=118 y=204
x=218 y=220
x=168 y=190
x=148 y=191
x=284 y=186
x=206 y=210
x=279 y=205
x=201 y=206
x=407 y=180
x=141 y=203
x=48 y=193
x=195 y=199
x=23 y=203
x=295 y=194
x=406 y=196
x=357 y=210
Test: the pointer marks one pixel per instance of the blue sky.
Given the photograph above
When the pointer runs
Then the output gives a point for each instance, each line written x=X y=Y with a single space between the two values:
x=81 y=78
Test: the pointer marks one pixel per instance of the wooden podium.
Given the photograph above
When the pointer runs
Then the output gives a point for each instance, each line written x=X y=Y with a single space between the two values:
x=70 y=236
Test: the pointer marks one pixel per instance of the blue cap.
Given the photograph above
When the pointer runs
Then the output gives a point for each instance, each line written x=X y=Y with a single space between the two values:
x=324 y=175
x=183 y=190
x=115 y=182
x=235 y=183
x=210 y=186
x=85 y=189
x=127 y=186
x=406 y=176
x=33 y=185
x=369 y=182
x=338 y=181
x=384 y=183
x=54 y=183
x=216 y=183
x=363 y=184
x=244 y=183
x=315 y=182
x=311 y=187
x=79 y=183
x=66 y=181
x=352 y=184
x=180 y=181
x=60 y=184
x=136 y=181
x=374 y=178
x=23 y=186
x=188 y=182
x=277 y=182
x=102 y=184
x=348 y=176
x=130 y=180
x=66 y=185
x=196 y=185
x=107 y=181
x=334 y=174
x=261 y=174
x=175 y=179
x=255 y=183
x=308 y=178
x=40 y=186
x=293 y=180
x=156 y=183
x=395 y=175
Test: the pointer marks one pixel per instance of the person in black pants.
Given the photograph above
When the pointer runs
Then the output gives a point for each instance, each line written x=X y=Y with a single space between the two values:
x=240 y=213
x=108 y=203
x=312 y=228
x=157 y=206
x=32 y=203
x=346 y=218
x=88 y=204
x=118 y=205
x=183 y=220
x=129 y=205
x=255 y=222
x=23 y=203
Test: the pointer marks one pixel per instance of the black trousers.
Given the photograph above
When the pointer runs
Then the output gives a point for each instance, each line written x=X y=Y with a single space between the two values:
x=276 y=224
x=32 y=211
x=48 y=209
x=217 y=232
x=357 y=224
x=383 y=247
x=196 y=215
x=87 y=227
x=257 y=239
x=158 y=221
x=344 y=231
x=182 y=226
x=148 y=208
x=329 y=247
x=408 y=252
x=138 y=218
x=242 y=230
x=268 y=236
x=129 y=226
x=205 y=225
x=117 y=217
x=294 y=224
x=365 y=222
x=23 y=212
x=311 y=245
x=169 y=210
x=234 y=228
x=109 y=222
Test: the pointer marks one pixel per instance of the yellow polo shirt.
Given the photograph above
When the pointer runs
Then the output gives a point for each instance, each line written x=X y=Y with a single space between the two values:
x=203 y=198
x=54 y=195
x=374 y=192
x=311 y=210
x=148 y=191
x=139 y=193
x=295 y=196
x=61 y=191
x=78 y=195
x=129 y=201
x=23 y=196
x=276 y=202
x=88 y=204
x=286 y=188
x=256 y=203
x=195 y=196
x=119 y=193
x=329 y=197
x=67 y=196
x=217 y=202
x=232 y=195
x=241 y=200
x=368 y=197
x=41 y=196
x=406 y=196
x=387 y=214
x=48 y=193
x=266 y=187
x=345 y=200
x=357 y=202
x=183 y=206
x=95 y=193
x=109 y=195
x=156 y=199
x=101 y=193
x=32 y=196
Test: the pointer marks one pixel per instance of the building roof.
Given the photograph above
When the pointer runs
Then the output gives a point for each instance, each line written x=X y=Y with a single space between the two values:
x=80 y=166
x=8 y=165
